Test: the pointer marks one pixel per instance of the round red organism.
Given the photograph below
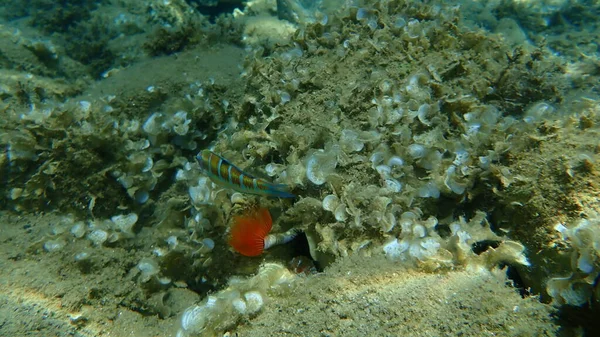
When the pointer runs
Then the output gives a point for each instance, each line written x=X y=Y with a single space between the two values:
x=249 y=231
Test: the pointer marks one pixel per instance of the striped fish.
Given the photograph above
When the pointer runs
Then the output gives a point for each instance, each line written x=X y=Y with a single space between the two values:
x=225 y=174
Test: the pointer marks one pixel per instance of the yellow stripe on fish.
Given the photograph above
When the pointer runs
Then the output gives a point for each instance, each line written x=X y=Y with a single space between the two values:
x=225 y=174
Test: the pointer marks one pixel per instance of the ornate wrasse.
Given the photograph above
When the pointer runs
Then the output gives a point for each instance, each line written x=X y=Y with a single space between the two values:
x=225 y=174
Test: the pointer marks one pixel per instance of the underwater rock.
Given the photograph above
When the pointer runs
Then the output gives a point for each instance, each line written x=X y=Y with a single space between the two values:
x=400 y=302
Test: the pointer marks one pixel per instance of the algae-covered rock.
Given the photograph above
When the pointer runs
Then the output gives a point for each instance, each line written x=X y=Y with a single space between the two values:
x=436 y=142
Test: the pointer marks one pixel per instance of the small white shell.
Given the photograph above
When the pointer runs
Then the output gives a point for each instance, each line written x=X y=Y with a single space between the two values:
x=78 y=230
x=148 y=266
x=207 y=245
x=395 y=161
x=429 y=190
x=388 y=222
x=125 y=222
x=82 y=256
x=211 y=302
x=321 y=164
x=164 y=280
x=416 y=151
x=254 y=301
x=340 y=213
x=85 y=106
x=237 y=198
x=141 y=196
x=384 y=170
x=149 y=163
x=54 y=245
x=395 y=249
x=422 y=113
x=419 y=231
x=200 y=194
x=330 y=202
x=172 y=241
x=393 y=185
x=98 y=236
x=273 y=169
x=193 y=319
x=350 y=141
x=377 y=158
x=313 y=173
x=239 y=305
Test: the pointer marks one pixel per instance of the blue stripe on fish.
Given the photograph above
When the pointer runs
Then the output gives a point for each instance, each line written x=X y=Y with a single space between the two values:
x=220 y=165
x=229 y=173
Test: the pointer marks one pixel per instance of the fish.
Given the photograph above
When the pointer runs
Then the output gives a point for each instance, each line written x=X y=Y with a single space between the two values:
x=249 y=234
x=227 y=175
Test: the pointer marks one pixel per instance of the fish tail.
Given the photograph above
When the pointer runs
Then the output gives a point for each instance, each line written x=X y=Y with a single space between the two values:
x=263 y=187
x=280 y=191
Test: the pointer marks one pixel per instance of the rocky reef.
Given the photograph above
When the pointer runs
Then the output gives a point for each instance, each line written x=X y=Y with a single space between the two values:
x=434 y=139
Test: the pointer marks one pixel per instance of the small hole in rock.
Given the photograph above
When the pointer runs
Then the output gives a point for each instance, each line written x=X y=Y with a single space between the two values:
x=481 y=246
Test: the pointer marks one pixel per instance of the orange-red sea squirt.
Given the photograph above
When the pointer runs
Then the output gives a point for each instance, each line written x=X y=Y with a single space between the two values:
x=249 y=231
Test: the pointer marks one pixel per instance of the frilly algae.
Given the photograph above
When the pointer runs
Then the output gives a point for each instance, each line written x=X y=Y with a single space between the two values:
x=243 y=297
x=579 y=286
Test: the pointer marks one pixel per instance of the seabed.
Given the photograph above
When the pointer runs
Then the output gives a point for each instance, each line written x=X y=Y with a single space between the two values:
x=444 y=159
